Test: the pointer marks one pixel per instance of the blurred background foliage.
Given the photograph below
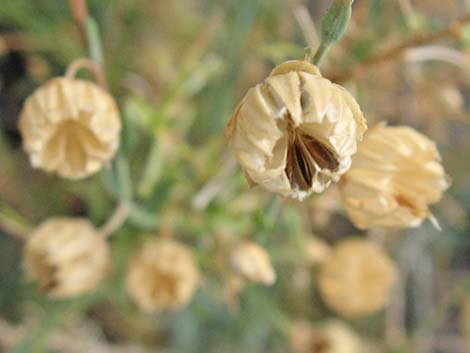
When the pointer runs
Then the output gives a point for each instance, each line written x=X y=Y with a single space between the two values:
x=177 y=70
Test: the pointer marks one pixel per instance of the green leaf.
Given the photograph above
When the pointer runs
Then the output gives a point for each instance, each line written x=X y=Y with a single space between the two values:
x=335 y=21
x=333 y=27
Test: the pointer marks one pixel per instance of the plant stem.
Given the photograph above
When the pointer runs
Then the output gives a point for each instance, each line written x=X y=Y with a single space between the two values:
x=90 y=33
x=80 y=13
x=13 y=227
x=333 y=27
x=320 y=53
x=116 y=220
x=152 y=169
x=124 y=182
x=91 y=65
x=94 y=40
x=88 y=26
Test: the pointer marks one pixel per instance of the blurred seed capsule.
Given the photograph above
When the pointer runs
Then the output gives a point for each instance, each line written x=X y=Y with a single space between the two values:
x=332 y=336
x=162 y=275
x=66 y=256
x=70 y=127
x=395 y=175
x=252 y=262
x=357 y=277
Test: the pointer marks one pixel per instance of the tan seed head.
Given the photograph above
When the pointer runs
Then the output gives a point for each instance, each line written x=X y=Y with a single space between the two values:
x=252 y=262
x=356 y=278
x=162 y=275
x=66 y=256
x=295 y=133
x=332 y=336
x=70 y=127
x=395 y=175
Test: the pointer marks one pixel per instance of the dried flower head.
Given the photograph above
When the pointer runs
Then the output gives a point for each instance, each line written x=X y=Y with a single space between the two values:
x=67 y=256
x=252 y=262
x=296 y=132
x=70 y=127
x=395 y=175
x=162 y=275
x=357 y=277
x=332 y=336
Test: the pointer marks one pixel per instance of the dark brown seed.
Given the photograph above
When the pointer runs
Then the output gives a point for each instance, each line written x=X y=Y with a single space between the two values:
x=322 y=156
x=302 y=169
x=296 y=168
x=302 y=152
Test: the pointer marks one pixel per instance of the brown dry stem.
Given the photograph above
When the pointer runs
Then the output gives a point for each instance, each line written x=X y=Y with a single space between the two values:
x=80 y=13
x=452 y=30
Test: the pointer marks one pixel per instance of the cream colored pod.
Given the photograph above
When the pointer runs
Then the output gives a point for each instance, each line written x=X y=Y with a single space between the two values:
x=251 y=261
x=70 y=127
x=395 y=175
x=356 y=278
x=66 y=256
x=162 y=275
x=295 y=133
x=332 y=336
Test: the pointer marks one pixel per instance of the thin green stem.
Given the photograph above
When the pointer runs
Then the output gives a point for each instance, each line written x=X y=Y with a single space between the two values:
x=142 y=218
x=12 y=223
x=152 y=169
x=320 y=53
x=123 y=178
x=121 y=170
x=94 y=40
x=116 y=220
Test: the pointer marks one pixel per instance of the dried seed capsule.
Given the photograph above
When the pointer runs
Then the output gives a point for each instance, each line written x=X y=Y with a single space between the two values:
x=67 y=256
x=296 y=132
x=162 y=275
x=332 y=336
x=70 y=127
x=252 y=262
x=356 y=278
x=395 y=175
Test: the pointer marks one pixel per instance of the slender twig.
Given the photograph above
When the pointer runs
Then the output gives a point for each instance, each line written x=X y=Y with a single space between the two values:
x=320 y=53
x=80 y=14
x=91 y=65
x=453 y=30
x=13 y=228
x=91 y=36
x=214 y=186
x=116 y=220
x=90 y=30
x=437 y=52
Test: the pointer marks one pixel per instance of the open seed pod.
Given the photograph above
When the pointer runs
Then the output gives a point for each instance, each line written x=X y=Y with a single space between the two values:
x=295 y=133
x=66 y=256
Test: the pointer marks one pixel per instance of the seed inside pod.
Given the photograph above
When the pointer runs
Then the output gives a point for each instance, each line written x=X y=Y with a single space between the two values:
x=295 y=133
x=306 y=155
